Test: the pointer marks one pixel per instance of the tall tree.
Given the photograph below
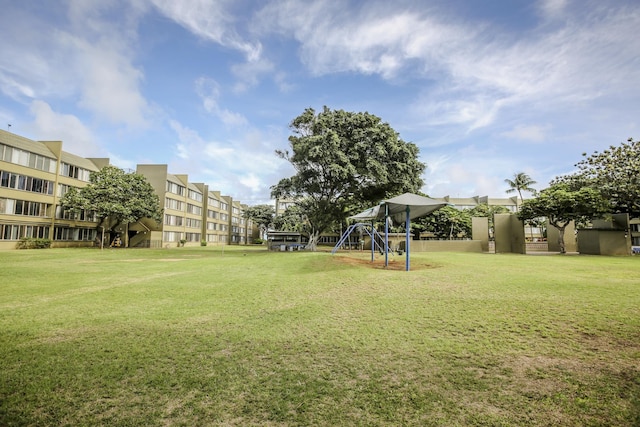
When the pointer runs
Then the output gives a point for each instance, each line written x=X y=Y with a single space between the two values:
x=615 y=172
x=561 y=204
x=520 y=182
x=262 y=215
x=293 y=219
x=116 y=196
x=345 y=161
x=446 y=223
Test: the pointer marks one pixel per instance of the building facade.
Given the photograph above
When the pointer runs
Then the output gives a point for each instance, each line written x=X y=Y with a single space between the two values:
x=34 y=175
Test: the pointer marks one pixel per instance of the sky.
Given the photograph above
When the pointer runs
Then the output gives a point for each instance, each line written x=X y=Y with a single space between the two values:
x=484 y=89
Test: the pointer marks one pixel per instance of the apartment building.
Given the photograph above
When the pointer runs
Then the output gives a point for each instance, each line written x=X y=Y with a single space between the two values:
x=193 y=214
x=34 y=175
x=216 y=226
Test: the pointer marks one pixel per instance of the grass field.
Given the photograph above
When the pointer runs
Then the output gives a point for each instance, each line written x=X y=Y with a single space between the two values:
x=197 y=336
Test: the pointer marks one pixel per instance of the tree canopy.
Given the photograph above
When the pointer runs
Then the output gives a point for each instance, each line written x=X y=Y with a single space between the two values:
x=561 y=204
x=615 y=172
x=111 y=193
x=451 y=223
x=345 y=161
x=262 y=216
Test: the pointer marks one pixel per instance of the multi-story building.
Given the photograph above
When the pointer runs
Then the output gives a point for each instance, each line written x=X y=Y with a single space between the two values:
x=216 y=226
x=34 y=175
x=193 y=214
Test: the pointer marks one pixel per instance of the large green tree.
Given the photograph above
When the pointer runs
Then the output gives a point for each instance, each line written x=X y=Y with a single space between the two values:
x=345 y=161
x=615 y=172
x=446 y=223
x=293 y=219
x=561 y=204
x=262 y=216
x=116 y=197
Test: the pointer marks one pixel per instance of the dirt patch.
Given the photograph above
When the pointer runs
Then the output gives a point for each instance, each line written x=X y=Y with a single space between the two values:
x=395 y=263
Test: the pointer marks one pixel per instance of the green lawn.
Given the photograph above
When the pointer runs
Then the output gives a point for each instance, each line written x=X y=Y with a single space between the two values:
x=198 y=336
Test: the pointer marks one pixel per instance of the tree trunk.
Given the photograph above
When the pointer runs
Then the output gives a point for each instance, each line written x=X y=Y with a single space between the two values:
x=561 y=228
x=563 y=250
x=312 y=245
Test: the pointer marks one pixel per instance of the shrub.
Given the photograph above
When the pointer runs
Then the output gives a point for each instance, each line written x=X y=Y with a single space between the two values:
x=33 y=243
x=258 y=241
x=203 y=243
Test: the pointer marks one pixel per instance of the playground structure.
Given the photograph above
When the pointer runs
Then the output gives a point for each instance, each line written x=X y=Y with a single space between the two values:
x=402 y=208
x=377 y=241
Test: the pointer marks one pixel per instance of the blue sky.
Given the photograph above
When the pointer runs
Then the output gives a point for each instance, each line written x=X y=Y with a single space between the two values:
x=484 y=88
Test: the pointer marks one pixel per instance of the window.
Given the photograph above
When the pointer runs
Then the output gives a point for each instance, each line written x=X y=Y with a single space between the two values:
x=74 y=172
x=192 y=237
x=214 y=202
x=9 y=232
x=212 y=214
x=194 y=195
x=174 y=204
x=26 y=183
x=174 y=188
x=193 y=209
x=171 y=236
x=173 y=220
x=23 y=207
x=212 y=226
x=224 y=206
x=193 y=223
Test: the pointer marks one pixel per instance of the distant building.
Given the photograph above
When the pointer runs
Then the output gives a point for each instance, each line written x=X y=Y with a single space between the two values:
x=34 y=175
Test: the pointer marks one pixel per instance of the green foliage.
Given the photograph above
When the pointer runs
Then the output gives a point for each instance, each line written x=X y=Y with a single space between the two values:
x=520 y=182
x=452 y=223
x=561 y=204
x=33 y=243
x=203 y=243
x=293 y=219
x=112 y=193
x=345 y=161
x=262 y=216
x=447 y=223
x=615 y=172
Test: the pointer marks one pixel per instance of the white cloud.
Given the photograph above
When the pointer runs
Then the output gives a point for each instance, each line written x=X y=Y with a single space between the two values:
x=209 y=92
x=76 y=137
x=227 y=166
x=531 y=133
x=111 y=85
x=211 y=20
x=87 y=57
x=552 y=8
x=481 y=71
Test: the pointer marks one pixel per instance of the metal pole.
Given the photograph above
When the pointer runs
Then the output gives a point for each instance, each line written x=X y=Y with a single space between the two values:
x=407 y=242
x=373 y=239
x=386 y=235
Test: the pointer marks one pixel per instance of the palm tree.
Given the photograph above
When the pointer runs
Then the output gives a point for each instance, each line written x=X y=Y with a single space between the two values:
x=521 y=182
